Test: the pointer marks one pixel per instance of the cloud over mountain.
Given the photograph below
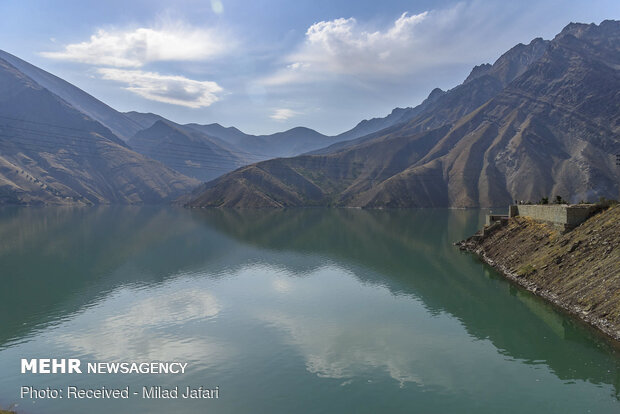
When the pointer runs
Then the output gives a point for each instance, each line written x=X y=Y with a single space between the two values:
x=175 y=90
x=282 y=114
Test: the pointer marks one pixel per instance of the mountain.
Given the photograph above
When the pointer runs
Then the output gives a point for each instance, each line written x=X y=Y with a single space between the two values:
x=228 y=134
x=369 y=126
x=186 y=150
x=396 y=117
x=117 y=122
x=53 y=153
x=288 y=143
x=542 y=120
x=144 y=120
x=441 y=108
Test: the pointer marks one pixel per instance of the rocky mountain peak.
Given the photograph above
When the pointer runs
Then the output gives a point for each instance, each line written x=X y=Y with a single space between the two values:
x=478 y=71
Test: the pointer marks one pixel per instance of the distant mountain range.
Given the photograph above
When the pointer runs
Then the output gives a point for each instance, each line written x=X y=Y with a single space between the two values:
x=237 y=147
x=208 y=151
x=543 y=120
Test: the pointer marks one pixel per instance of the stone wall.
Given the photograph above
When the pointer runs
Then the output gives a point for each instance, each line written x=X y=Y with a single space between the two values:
x=576 y=215
x=562 y=215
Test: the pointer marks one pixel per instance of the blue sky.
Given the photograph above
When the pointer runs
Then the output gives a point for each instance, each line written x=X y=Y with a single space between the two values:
x=266 y=66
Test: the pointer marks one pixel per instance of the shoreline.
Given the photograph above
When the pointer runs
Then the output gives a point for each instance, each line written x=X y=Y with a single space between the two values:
x=567 y=270
x=600 y=325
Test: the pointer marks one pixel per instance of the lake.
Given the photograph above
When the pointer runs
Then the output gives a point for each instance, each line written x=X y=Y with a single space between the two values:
x=292 y=311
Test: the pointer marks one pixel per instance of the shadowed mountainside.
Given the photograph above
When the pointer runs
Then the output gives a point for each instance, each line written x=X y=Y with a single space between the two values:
x=121 y=125
x=51 y=153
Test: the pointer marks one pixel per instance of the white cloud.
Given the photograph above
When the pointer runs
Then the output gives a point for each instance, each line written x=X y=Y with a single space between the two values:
x=175 y=90
x=137 y=47
x=282 y=114
x=409 y=45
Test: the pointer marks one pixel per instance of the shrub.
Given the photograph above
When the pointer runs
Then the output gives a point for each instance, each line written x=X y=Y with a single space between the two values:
x=559 y=200
x=605 y=203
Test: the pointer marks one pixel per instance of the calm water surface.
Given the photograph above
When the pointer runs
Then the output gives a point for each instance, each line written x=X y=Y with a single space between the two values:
x=304 y=311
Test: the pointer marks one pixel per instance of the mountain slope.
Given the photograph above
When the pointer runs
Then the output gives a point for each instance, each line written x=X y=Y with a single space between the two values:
x=397 y=116
x=118 y=123
x=543 y=120
x=51 y=153
x=548 y=132
x=442 y=108
x=188 y=151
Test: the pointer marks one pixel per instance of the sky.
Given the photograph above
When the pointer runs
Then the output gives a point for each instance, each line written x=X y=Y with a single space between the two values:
x=267 y=66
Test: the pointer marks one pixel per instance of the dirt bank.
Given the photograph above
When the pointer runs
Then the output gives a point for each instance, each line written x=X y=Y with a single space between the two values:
x=578 y=271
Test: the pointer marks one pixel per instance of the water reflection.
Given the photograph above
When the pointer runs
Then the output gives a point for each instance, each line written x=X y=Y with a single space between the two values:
x=55 y=261
x=342 y=340
x=411 y=252
x=354 y=292
x=134 y=325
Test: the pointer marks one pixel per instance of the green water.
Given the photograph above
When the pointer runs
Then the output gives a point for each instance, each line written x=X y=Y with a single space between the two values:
x=298 y=311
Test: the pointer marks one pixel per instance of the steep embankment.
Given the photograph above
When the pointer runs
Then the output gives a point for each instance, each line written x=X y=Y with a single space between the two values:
x=579 y=271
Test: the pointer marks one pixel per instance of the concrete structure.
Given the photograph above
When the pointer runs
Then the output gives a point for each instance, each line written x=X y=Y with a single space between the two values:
x=564 y=216
x=494 y=222
x=492 y=218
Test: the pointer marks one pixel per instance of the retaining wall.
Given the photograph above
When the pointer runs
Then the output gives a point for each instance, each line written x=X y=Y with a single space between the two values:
x=562 y=215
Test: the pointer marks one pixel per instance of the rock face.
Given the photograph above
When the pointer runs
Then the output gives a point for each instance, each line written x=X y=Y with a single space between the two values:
x=52 y=153
x=542 y=120
x=578 y=271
